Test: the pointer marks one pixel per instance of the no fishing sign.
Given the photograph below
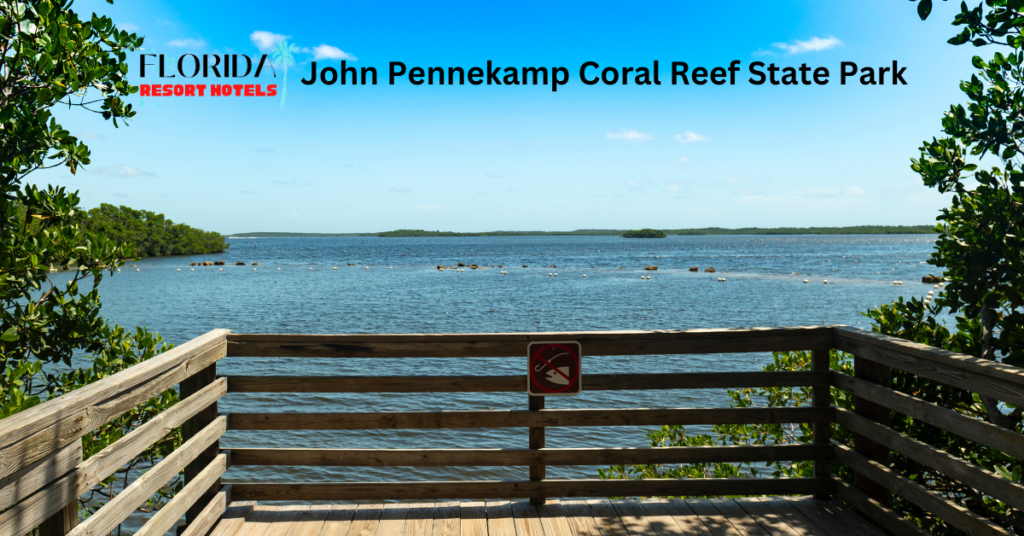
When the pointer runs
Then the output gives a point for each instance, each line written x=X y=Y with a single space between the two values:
x=554 y=368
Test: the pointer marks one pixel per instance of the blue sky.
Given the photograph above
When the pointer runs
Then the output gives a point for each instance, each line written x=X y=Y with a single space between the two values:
x=362 y=159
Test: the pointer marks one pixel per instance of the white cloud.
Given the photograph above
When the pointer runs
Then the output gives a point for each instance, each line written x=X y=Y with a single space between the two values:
x=128 y=27
x=187 y=43
x=855 y=190
x=687 y=137
x=123 y=171
x=90 y=135
x=266 y=41
x=327 y=52
x=814 y=44
x=684 y=160
x=630 y=135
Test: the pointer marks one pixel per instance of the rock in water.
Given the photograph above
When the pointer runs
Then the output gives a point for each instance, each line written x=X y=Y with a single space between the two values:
x=710 y=270
x=694 y=269
x=651 y=267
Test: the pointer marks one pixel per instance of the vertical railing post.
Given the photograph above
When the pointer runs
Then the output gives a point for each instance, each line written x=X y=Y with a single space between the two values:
x=882 y=375
x=821 y=396
x=537 y=442
x=193 y=426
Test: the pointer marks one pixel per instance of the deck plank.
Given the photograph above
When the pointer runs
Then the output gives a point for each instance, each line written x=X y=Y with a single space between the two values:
x=793 y=516
x=712 y=518
x=606 y=519
x=631 y=514
x=365 y=522
x=857 y=522
x=447 y=519
x=258 y=522
x=659 y=518
x=310 y=522
x=526 y=519
x=392 y=520
x=500 y=521
x=287 y=519
x=552 y=518
x=581 y=520
x=768 y=519
x=419 y=521
x=686 y=519
x=233 y=519
x=338 y=520
x=474 y=518
x=739 y=518
x=818 y=512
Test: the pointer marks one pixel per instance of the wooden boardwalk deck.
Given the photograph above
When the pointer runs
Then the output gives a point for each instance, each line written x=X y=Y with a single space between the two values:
x=767 y=516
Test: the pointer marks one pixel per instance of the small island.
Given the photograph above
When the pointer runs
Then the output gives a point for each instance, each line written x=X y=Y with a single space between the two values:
x=644 y=233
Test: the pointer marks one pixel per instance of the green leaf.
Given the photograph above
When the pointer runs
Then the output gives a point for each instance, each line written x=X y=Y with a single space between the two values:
x=924 y=8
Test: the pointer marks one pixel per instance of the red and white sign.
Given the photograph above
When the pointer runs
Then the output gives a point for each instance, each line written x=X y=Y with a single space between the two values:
x=554 y=368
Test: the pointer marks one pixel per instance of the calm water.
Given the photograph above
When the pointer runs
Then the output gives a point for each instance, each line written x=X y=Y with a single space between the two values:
x=403 y=292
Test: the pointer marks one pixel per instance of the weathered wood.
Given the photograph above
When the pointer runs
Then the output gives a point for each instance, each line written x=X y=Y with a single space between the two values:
x=210 y=514
x=605 y=518
x=994 y=485
x=816 y=511
x=876 y=511
x=791 y=516
x=521 y=457
x=744 y=522
x=500 y=384
x=685 y=518
x=882 y=375
x=28 y=480
x=366 y=519
x=930 y=501
x=717 y=523
x=536 y=441
x=333 y=491
x=552 y=518
x=525 y=419
x=634 y=518
x=234 y=517
x=821 y=396
x=991 y=378
x=526 y=519
x=581 y=521
x=310 y=522
x=258 y=523
x=858 y=523
x=287 y=517
x=597 y=343
x=474 y=518
x=392 y=520
x=62 y=522
x=194 y=491
x=189 y=386
x=447 y=521
x=47 y=501
x=338 y=520
x=420 y=520
x=124 y=503
x=500 y=521
x=979 y=431
x=35 y=433
x=769 y=521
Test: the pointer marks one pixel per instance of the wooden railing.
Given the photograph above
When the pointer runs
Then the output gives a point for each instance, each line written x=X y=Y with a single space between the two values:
x=42 y=473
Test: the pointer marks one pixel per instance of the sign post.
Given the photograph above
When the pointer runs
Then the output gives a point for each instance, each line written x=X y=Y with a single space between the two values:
x=554 y=370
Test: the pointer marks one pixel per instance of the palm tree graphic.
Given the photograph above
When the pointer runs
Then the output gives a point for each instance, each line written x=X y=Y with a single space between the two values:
x=283 y=57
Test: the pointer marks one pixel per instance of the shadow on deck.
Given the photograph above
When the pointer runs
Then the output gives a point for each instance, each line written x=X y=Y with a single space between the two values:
x=767 y=516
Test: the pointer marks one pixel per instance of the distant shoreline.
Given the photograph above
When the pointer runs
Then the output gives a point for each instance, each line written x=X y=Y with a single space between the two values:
x=707 y=231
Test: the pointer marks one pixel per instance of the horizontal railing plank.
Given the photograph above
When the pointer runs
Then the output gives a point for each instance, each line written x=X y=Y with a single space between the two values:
x=170 y=513
x=123 y=504
x=595 y=343
x=518 y=457
x=876 y=511
x=210 y=514
x=28 y=513
x=994 y=485
x=37 y=432
x=990 y=378
x=496 y=384
x=526 y=419
x=30 y=479
x=985 y=433
x=338 y=491
x=931 y=502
